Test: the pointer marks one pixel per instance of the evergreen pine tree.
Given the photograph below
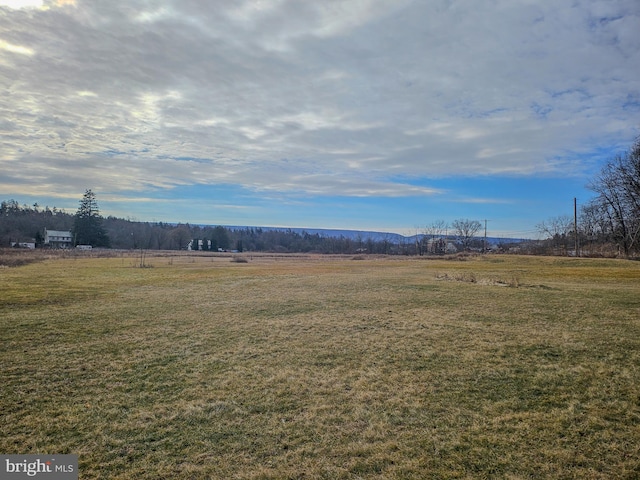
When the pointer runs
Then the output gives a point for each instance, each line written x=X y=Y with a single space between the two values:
x=87 y=223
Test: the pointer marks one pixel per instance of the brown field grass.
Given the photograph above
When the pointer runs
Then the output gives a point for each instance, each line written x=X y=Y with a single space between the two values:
x=320 y=367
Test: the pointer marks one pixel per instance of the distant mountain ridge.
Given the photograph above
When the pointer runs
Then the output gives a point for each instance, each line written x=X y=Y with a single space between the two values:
x=365 y=235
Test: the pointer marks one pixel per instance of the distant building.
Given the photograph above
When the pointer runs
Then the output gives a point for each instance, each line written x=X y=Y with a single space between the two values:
x=30 y=245
x=57 y=239
x=440 y=246
x=199 y=245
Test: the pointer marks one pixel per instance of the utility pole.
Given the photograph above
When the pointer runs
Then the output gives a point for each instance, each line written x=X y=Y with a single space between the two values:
x=575 y=224
x=484 y=250
x=446 y=238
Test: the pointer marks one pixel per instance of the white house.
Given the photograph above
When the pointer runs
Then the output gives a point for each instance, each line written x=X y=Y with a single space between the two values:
x=57 y=239
x=200 y=245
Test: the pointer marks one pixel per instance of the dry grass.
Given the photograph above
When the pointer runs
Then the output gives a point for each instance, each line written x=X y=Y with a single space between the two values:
x=324 y=367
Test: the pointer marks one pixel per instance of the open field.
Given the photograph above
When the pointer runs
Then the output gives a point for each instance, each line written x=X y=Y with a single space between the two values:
x=323 y=367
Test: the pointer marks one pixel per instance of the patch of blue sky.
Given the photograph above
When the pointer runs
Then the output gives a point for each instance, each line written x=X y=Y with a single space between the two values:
x=541 y=111
x=515 y=204
x=593 y=159
x=235 y=205
x=518 y=203
x=488 y=113
x=581 y=93
x=114 y=152
x=632 y=103
x=598 y=22
x=184 y=159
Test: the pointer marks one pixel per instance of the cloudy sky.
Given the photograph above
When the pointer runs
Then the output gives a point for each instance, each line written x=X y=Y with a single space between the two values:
x=363 y=114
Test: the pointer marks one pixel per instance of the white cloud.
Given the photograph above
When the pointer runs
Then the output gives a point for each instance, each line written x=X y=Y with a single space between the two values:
x=9 y=47
x=17 y=4
x=322 y=97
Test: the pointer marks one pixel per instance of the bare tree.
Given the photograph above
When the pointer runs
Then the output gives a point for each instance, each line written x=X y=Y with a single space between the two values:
x=557 y=231
x=618 y=198
x=465 y=230
x=434 y=232
x=555 y=226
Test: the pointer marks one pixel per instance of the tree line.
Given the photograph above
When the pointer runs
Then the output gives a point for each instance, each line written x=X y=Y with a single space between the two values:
x=26 y=223
x=609 y=223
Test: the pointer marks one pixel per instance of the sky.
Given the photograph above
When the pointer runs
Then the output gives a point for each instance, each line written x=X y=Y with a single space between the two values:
x=384 y=115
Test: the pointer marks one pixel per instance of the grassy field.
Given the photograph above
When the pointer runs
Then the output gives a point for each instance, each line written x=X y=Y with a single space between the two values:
x=312 y=367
